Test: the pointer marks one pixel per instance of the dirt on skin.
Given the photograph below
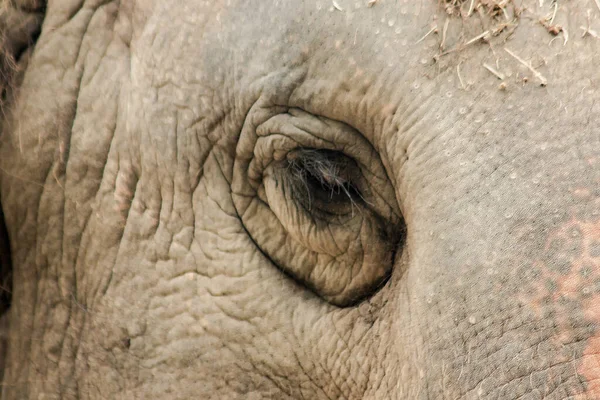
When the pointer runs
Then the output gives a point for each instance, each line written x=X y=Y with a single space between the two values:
x=493 y=23
x=491 y=8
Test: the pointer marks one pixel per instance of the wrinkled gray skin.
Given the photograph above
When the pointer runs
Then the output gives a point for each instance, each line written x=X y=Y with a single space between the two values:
x=157 y=251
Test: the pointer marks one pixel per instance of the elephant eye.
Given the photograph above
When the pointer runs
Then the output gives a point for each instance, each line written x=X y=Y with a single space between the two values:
x=314 y=196
x=324 y=181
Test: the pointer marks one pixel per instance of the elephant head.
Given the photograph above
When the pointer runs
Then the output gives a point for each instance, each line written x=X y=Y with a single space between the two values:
x=300 y=199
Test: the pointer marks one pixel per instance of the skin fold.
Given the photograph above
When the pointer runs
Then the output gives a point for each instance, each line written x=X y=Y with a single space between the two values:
x=159 y=246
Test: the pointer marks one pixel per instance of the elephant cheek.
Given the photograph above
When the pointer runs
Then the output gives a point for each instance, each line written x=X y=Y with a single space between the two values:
x=590 y=260
x=567 y=290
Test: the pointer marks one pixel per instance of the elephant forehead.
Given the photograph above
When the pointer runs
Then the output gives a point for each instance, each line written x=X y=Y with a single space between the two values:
x=416 y=80
x=385 y=67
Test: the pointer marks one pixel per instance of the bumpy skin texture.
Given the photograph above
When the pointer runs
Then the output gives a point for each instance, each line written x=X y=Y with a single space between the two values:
x=129 y=182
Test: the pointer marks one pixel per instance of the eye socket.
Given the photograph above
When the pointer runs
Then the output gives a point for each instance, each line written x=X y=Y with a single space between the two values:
x=324 y=181
x=315 y=197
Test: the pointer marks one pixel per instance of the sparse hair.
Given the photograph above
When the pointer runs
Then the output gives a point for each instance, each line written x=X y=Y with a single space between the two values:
x=19 y=29
x=327 y=168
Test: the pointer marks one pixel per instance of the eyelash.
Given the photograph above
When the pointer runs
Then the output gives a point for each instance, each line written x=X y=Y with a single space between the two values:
x=311 y=170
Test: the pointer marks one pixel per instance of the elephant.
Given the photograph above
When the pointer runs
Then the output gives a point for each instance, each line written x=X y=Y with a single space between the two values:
x=318 y=199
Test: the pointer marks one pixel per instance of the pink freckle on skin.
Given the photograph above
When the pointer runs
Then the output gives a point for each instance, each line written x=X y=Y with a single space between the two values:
x=590 y=361
x=577 y=281
x=582 y=192
x=388 y=109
